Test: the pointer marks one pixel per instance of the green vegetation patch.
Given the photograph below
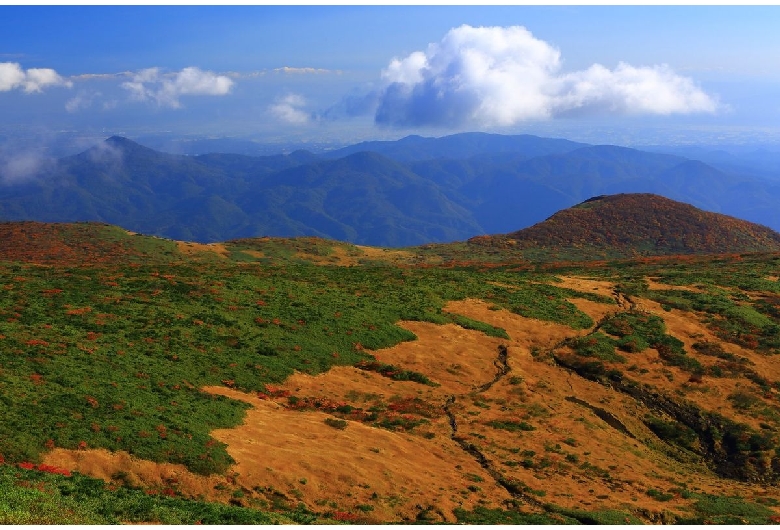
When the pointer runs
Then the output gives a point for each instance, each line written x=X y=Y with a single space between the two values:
x=494 y=516
x=717 y=509
x=733 y=318
x=637 y=331
x=487 y=329
x=395 y=373
x=596 y=516
x=672 y=431
x=113 y=354
x=510 y=425
x=596 y=345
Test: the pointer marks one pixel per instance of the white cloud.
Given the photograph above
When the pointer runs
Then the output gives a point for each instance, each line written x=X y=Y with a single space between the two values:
x=82 y=100
x=151 y=84
x=106 y=153
x=89 y=77
x=289 y=109
x=305 y=70
x=631 y=90
x=504 y=75
x=21 y=166
x=13 y=76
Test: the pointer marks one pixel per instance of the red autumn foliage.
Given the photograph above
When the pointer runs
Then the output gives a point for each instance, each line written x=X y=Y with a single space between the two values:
x=78 y=311
x=345 y=516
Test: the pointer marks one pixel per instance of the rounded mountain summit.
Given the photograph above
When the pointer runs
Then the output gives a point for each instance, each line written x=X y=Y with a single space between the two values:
x=635 y=224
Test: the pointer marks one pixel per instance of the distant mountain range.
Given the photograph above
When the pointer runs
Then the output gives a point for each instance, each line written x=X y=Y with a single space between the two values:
x=401 y=193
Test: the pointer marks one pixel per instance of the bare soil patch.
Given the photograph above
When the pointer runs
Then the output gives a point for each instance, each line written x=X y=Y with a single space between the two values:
x=338 y=256
x=386 y=254
x=586 y=285
x=186 y=247
x=136 y=472
x=298 y=454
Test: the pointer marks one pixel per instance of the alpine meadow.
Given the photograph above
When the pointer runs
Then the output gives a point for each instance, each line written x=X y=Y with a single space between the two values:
x=389 y=265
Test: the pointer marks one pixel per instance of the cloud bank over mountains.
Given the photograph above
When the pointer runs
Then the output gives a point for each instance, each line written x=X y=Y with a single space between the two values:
x=474 y=77
x=166 y=89
x=498 y=76
x=13 y=76
x=289 y=109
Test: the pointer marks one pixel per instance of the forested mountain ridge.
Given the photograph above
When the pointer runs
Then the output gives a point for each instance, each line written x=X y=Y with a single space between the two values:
x=408 y=192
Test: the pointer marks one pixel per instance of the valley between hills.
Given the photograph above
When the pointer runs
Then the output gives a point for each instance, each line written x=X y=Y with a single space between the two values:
x=305 y=380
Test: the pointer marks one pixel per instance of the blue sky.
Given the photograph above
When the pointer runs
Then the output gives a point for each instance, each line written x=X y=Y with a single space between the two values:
x=361 y=72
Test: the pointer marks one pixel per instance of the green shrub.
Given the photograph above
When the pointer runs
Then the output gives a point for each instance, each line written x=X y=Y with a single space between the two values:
x=513 y=426
x=672 y=431
x=716 y=505
x=596 y=345
x=743 y=400
x=632 y=344
x=495 y=516
x=336 y=423
x=659 y=495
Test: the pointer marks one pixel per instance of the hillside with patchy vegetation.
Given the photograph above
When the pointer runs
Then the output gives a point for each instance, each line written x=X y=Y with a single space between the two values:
x=635 y=224
x=303 y=380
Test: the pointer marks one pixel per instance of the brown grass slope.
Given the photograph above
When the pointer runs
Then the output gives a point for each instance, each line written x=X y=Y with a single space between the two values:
x=640 y=224
x=526 y=432
x=71 y=243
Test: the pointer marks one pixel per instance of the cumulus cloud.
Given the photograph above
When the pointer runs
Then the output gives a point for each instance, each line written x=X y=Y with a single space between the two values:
x=289 y=109
x=151 y=84
x=13 y=76
x=631 y=90
x=499 y=76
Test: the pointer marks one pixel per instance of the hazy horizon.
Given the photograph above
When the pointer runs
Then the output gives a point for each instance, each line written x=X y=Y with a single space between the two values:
x=629 y=75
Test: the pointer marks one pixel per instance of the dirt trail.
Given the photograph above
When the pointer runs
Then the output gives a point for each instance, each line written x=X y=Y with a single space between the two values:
x=502 y=366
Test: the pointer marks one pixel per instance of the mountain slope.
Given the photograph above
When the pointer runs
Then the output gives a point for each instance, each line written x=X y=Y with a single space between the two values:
x=410 y=192
x=362 y=198
x=290 y=381
x=640 y=224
